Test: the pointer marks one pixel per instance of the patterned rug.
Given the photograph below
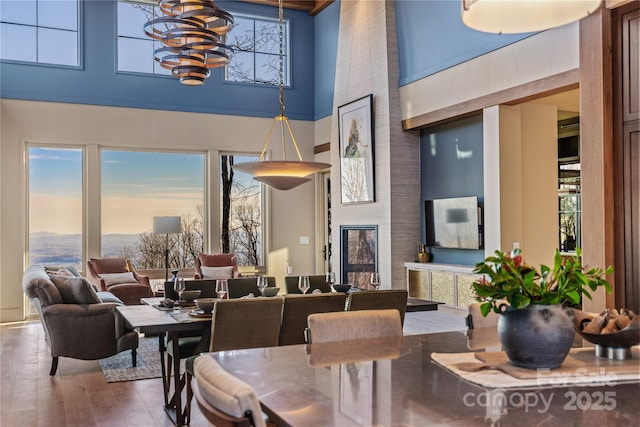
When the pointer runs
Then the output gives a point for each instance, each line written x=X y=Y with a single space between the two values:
x=118 y=368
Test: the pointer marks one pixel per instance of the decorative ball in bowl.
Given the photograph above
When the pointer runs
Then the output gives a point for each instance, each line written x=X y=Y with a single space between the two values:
x=190 y=295
x=609 y=329
x=341 y=288
x=270 y=292
x=205 y=304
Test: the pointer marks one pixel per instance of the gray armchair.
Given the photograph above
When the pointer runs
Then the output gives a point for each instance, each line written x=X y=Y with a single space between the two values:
x=76 y=321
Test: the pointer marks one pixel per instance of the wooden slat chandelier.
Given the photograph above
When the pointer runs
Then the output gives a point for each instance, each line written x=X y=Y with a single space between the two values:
x=191 y=32
x=281 y=174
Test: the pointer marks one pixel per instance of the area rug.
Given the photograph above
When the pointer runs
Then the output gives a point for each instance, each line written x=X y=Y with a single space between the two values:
x=118 y=368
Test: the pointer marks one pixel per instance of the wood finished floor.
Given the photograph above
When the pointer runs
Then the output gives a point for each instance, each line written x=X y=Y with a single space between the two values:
x=78 y=394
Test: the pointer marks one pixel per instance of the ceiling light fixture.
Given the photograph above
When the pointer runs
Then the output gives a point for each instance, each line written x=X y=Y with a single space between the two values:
x=281 y=174
x=191 y=32
x=524 y=16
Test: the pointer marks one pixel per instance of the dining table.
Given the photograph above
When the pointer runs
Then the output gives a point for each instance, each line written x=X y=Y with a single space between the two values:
x=150 y=318
x=414 y=380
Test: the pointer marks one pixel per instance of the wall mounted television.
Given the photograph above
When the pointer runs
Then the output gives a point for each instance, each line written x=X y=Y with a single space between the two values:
x=454 y=223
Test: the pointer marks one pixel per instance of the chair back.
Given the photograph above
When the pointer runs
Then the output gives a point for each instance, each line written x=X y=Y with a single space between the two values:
x=243 y=286
x=315 y=282
x=353 y=325
x=216 y=260
x=379 y=300
x=297 y=308
x=245 y=323
x=225 y=400
x=207 y=288
x=475 y=319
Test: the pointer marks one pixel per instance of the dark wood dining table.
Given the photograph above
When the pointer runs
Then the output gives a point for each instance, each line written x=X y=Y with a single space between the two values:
x=395 y=382
x=149 y=319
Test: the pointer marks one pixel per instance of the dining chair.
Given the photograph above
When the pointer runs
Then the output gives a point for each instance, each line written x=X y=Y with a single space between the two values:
x=207 y=288
x=315 y=282
x=353 y=325
x=243 y=286
x=225 y=400
x=245 y=323
x=297 y=308
x=475 y=319
x=379 y=300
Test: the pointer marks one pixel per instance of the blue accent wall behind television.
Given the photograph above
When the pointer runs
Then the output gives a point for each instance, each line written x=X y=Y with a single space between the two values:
x=98 y=82
x=451 y=166
x=432 y=37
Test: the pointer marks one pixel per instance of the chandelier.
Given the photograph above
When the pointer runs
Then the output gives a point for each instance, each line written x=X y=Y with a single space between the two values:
x=281 y=174
x=524 y=16
x=191 y=33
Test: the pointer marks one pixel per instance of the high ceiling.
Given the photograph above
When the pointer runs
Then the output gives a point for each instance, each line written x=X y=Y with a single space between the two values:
x=311 y=6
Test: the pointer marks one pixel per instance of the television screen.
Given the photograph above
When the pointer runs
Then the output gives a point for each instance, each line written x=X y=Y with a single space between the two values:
x=453 y=223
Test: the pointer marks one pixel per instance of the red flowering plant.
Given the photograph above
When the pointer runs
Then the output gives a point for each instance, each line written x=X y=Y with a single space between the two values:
x=507 y=277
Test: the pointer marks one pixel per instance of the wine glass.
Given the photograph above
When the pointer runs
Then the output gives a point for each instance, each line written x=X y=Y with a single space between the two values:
x=222 y=289
x=179 y=286
x=375 y=280
x=262 y=284
x=303 y=284
x=331 y=278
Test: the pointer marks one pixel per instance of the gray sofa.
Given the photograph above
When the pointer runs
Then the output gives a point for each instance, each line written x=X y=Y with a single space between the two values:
x=78 y=322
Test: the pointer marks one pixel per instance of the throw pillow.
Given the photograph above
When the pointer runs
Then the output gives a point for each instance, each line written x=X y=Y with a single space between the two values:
x=217 y=272
x=75 y=290
x=117 y=278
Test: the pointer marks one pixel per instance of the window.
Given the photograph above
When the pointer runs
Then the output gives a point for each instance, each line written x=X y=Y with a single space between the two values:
x=135 y=187
x=41 y=31
x=55 y=206
x=242 y=199
x=570 y=207
x=256 y=59
x=135 y=48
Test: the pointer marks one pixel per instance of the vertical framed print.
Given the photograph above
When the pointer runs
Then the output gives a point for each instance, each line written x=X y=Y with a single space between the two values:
x=355 y=130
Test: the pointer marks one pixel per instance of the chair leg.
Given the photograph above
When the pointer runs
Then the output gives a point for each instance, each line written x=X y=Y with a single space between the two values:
x=189 y=397
x=134 y=357
x=54 y=366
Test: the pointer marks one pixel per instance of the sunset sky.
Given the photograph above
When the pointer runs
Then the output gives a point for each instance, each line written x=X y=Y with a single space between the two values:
x=136 y=186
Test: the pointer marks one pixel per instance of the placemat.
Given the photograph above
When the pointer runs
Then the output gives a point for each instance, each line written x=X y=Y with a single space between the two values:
x=580 y=367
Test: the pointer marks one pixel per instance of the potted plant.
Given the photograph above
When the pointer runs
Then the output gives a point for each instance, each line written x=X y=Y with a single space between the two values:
x=535 y=328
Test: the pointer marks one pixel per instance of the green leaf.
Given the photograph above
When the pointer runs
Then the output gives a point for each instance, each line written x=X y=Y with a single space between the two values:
x=485 y=308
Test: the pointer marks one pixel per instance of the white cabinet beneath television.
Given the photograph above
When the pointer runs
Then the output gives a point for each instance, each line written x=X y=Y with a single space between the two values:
x=445 y=283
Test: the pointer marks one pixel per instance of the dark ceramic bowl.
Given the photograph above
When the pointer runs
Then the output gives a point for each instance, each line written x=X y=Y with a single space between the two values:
x=341 y=288
x=205 y=304
x=190 y=295
x=628 y=337
x=270 y=292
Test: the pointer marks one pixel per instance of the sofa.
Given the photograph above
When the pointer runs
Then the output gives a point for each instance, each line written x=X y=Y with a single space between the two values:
x=78 y=321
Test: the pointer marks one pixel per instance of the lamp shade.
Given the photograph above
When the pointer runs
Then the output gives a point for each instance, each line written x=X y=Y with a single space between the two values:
x=167 y=224
x=524 y=16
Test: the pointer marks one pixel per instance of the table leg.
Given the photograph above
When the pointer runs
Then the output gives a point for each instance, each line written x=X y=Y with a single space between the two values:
x=165 y=381
x=174 y=407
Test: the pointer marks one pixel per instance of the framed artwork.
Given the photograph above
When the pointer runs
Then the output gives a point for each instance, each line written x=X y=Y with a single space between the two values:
x=355 y=129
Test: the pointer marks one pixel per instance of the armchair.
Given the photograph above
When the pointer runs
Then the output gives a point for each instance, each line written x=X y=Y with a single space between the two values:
x=117 y=275
x=76 y=321
x=216 y=263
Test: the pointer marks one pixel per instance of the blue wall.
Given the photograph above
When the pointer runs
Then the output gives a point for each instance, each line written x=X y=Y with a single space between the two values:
x=432 y=37
x=451 y=166
x=98 y=82
x=327 y=25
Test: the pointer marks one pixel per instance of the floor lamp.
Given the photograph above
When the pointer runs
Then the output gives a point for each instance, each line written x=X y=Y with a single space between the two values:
x=167 y=225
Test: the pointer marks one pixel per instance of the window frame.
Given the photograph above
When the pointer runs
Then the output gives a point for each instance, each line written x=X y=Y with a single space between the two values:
x=79 y=41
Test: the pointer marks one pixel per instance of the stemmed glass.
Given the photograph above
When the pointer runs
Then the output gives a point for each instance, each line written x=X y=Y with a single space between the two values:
x=262 y=284
x=303 y=284
x=179 y=286
x=222 y=289
x=375 y=280
x=331 y=278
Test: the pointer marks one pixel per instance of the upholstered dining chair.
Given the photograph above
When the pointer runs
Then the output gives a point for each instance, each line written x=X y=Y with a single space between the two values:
x=225 y=400
x=216 y=266
x=315 y=282
x=297 y=308
x=475 y=319
x=243 y=286
x=353 y=325
x=378 y=300
x=118 y=276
